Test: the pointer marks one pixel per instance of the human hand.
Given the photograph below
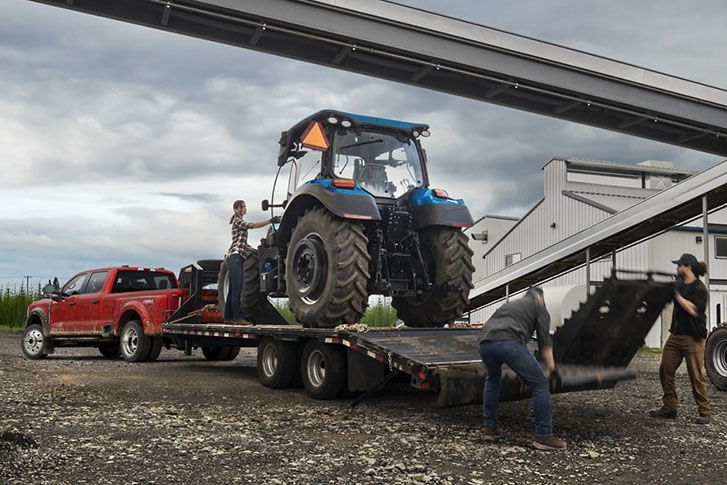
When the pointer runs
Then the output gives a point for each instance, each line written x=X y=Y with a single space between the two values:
x=678 y=285
x=275 y=219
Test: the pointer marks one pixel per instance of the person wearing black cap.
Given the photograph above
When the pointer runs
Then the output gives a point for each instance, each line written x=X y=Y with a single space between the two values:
x=503 y=340
x=686 y=342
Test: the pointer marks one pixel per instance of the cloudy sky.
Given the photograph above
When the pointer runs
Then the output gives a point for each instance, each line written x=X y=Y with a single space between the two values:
x=125 y=145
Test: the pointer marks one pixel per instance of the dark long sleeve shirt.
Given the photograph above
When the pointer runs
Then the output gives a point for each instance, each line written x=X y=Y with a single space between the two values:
x=517 y=320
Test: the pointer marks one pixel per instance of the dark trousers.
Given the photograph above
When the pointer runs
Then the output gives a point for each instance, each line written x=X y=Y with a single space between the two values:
x=517 y=357
x=233 y=309
x=691 y=349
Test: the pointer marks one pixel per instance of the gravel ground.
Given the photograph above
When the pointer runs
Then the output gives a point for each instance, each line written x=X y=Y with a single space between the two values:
x=76 y=417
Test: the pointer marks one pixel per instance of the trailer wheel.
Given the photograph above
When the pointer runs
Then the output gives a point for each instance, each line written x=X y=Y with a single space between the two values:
x=448 y=258
x=715 y=358
x=277 y=364
x=225 y=352
x=34 y=343
x=323 y=370
x=327 y=270
x=110 y=351
x=134 y=344
x=155 y=349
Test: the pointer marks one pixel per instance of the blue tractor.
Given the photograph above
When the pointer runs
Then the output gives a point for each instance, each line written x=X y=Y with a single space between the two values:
x=360 y=219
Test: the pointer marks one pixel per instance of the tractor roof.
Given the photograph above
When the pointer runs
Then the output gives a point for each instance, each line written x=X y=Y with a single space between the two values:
x=358 y=120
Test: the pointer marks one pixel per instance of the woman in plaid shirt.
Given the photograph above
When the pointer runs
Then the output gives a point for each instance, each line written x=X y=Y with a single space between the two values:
x=236 y=256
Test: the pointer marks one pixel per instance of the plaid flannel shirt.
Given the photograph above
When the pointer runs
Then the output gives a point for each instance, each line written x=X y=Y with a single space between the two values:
x=239 y=236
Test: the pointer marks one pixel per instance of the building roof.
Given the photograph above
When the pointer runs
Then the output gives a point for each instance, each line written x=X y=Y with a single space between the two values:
x=603 y=166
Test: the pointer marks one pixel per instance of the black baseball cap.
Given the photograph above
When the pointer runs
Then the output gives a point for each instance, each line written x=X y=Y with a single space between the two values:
x=687 y=260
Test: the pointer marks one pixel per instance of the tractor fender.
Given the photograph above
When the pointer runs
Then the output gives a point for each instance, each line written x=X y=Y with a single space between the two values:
x=354 y=204
x=428 y=209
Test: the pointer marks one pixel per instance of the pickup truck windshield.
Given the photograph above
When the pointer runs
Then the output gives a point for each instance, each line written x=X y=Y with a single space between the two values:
x=383 y=164
x=127 y=281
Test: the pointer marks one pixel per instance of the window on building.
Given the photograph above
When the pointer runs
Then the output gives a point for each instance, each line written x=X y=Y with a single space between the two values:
x=720 y=246
x=512 y=258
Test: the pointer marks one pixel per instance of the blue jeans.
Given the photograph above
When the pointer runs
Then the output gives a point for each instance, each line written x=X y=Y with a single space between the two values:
x=516 y=355
x=233 y=309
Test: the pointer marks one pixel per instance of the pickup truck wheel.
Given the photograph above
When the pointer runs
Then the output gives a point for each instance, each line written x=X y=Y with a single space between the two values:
x=448 y=259
x=327 y=269
x=155 y=349
x=276 y=363
x=324 y=370
x=715 y=358
x=34 y=343
x=109 y=351
x=134 y=344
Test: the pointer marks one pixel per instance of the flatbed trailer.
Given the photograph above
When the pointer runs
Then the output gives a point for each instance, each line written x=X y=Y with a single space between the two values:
x=330 y=361
x=592 y=349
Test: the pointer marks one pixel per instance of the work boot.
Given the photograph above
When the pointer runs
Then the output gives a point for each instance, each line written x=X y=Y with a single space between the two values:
x=491 y=434
x=703 y=419
x=548 y=443
x=663 y=413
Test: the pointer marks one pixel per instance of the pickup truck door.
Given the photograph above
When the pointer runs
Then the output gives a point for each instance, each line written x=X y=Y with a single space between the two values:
x=88 y=320
x=63 y=313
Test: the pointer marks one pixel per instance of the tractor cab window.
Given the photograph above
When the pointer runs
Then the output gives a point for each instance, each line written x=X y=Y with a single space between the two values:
x=306 y=165
x=385 y=165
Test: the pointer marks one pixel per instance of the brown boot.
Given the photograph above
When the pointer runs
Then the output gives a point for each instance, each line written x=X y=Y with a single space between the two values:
x=663 y=413
x=491 y=434
x=548 y=443
x=703 y=419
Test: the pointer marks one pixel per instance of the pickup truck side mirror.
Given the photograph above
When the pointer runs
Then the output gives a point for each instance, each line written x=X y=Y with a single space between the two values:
x=52 y=292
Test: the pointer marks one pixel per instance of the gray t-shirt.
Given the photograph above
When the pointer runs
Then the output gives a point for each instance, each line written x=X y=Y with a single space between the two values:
x=517 y=320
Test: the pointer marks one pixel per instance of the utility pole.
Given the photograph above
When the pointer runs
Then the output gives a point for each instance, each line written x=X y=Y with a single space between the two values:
x=27 y=284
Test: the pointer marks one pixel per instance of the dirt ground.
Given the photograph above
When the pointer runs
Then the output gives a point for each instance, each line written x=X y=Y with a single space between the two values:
x=76 y=417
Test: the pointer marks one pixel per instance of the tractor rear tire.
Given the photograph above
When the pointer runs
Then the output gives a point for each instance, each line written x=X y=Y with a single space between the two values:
x=715 y=358
x=218 y=354
x=252 y=302
x=449 y=261
x=327 y=270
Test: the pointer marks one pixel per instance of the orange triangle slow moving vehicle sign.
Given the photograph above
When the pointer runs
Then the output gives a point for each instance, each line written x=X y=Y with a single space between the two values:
x=314 y=137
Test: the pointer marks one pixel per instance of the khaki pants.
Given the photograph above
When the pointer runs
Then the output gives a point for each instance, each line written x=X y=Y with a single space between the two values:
x=691 y=349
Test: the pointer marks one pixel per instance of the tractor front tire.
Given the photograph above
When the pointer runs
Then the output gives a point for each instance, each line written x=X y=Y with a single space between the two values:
x=327 y=270
x=448 y=258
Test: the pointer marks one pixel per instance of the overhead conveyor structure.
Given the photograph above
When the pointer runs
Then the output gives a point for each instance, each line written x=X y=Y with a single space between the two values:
x=411 y=46
x=699 y=194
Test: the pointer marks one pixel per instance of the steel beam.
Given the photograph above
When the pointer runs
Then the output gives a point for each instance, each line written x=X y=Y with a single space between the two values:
x=415 y=47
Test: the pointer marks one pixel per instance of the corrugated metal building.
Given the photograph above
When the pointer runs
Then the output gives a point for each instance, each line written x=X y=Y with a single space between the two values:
x=579 y=193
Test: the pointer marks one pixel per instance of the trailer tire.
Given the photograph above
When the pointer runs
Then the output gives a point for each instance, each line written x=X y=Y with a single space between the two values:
x=217 y=354
x=449 y=260
x=715 y=358
x=277 y=363
x=134 y=344
x=327 y=269
x=34 y=344
x=323 y=368
x=109 y=350
x=155 y=349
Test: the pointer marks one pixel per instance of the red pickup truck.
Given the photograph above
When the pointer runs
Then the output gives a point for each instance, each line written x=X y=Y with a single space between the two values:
x=120 y=310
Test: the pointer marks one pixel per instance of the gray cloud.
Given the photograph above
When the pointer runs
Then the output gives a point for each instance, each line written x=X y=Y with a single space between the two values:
x=131 y=143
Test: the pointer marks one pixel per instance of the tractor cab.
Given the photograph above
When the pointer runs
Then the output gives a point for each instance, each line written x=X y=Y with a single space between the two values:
x=382 y=157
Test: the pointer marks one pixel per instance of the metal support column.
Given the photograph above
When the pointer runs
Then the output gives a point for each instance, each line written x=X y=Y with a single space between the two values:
x=705 y=242
x=588 y=271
